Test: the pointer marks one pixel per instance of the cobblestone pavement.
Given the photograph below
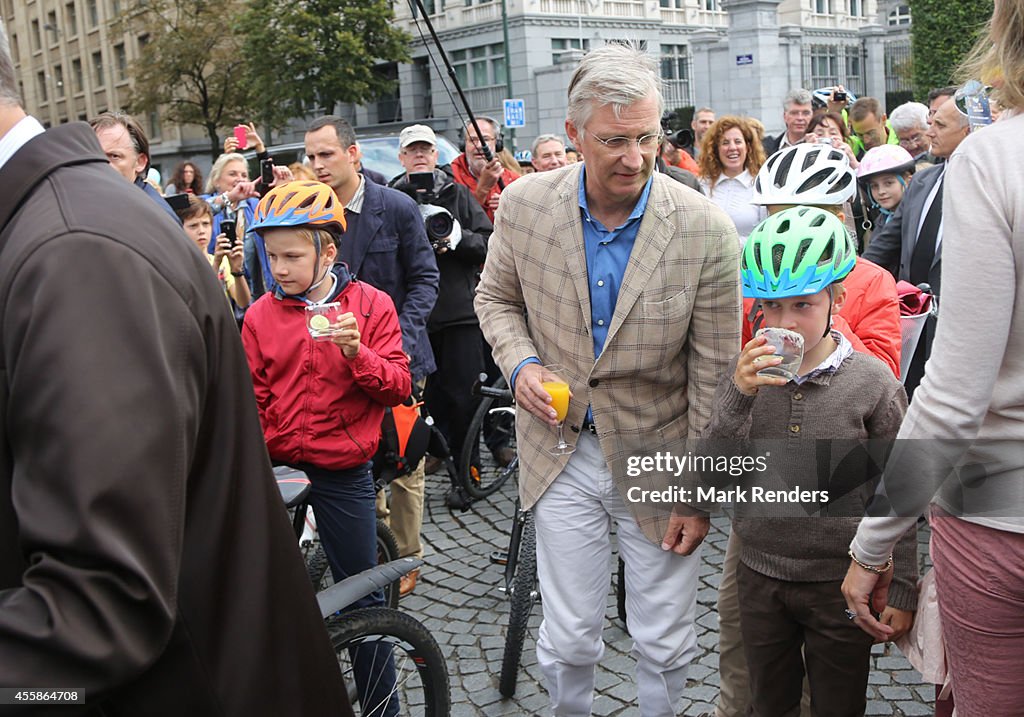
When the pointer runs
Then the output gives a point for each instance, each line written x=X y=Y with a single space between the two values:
x=459 y=600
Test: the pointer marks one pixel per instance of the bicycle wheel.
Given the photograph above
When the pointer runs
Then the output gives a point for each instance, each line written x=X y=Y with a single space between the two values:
x=373 y=636
x=319 y=573
x=478 y=477
x=524 y=595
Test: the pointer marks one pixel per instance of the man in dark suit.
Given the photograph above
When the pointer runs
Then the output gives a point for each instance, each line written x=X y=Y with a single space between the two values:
x=385 y=244
x=910 y=245
x=797 y=111
x=146 y=559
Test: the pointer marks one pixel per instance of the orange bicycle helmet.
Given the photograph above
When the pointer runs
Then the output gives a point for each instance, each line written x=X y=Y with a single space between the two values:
x=300 y=203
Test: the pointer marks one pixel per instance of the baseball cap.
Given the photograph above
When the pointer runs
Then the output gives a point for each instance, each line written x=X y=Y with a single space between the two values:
x=417 y=133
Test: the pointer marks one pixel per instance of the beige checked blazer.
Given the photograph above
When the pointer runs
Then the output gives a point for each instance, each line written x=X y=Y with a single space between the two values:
x=675 y=327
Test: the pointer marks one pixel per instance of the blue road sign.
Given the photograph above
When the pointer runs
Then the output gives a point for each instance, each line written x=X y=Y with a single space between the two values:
x=515 y=113
x=744 y=59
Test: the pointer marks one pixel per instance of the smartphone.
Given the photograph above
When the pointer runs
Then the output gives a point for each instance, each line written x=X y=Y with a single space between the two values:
x=267 y=171
x=241 y=134
x=227 y=228
x=178 y=202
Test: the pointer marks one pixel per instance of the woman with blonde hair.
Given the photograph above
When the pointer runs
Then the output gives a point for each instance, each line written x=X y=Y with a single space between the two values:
x=730 y=156
x=968 y=408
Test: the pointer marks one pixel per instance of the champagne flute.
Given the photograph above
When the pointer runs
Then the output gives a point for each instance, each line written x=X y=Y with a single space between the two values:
x=558 y=389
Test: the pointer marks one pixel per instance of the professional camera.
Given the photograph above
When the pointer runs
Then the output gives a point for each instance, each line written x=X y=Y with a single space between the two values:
x=438 y=221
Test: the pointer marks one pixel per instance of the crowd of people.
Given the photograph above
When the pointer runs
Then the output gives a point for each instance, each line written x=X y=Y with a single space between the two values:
x=647 y=270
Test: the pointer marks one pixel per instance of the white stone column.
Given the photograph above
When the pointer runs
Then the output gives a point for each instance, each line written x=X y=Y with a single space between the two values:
x=873 y=37
x=756 y=58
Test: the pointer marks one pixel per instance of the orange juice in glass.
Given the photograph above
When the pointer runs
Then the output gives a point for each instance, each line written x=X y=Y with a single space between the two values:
x=559 y=392
x=558 y=389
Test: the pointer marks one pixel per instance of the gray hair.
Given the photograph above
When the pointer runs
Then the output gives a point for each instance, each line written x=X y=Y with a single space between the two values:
x=218 y=167
x=9 y=94
x=616 y=74
x=799 y=96
x=545 y=138
x=908 y=116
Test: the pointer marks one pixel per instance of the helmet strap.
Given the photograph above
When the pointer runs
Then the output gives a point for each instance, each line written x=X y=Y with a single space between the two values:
x=828 y=320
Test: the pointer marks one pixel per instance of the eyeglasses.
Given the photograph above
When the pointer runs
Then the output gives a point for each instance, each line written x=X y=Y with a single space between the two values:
x=618 y=146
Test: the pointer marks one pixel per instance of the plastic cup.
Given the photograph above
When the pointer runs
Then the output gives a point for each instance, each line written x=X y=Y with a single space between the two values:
x=790 y=346
x=319 y=319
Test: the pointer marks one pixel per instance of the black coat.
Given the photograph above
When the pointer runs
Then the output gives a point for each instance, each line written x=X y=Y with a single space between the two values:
x=145 y=554
x=460 y=268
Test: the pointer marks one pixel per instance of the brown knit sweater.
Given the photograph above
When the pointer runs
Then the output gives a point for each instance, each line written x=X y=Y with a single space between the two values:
x=860 y=401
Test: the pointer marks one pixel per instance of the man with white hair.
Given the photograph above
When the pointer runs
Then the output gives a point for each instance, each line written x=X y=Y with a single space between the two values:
x=640 y=349
x=548 y=152
x=797 y=110
x=910 y=123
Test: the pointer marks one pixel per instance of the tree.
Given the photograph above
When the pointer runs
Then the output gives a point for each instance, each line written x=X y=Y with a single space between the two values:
x=941 y=34
x=191 y=69
x=309 y=54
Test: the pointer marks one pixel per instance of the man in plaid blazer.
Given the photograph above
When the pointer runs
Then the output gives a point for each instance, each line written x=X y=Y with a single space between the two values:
x=629 y=281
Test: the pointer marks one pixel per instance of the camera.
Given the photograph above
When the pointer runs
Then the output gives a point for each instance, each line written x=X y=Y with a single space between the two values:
x=838 y=96
x=438 y=221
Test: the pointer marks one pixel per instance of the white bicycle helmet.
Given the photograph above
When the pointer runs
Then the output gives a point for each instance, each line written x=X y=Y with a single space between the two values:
x=816 y=174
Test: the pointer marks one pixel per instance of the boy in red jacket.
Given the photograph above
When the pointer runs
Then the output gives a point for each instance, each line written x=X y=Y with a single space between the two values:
x=321 y=401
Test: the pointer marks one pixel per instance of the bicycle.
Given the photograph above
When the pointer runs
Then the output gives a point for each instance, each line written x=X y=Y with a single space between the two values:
x=475 y=478
x=290 y=480
x=392 y=648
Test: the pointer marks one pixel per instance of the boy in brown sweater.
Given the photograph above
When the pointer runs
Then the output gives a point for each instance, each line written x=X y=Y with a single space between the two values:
x=792 y=568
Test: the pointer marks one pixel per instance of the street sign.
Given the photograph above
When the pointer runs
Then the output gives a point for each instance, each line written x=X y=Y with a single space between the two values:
x=515 y=113
x=744 y=59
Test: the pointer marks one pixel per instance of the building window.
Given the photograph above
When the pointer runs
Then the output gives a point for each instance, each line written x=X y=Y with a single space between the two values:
x=93 y=12
x=433 y=7
x=58 y=79
x=72 y=18
x=41 y=86
x=37 y=40
x=51 y=26
x=154 y=125
x=711 y=5
x=675 y=71
x=823 y=7
x=900 y=15
x=115 y=8
x=97 y=68
x=121 y=61
x=856 y=8
x=824 y=65
x=15 y=52
x=562 y=45
x=76 y=76
x=143 y=41
x=482 y=66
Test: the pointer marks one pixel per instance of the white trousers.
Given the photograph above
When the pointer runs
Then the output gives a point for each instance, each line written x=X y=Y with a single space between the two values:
x=573 y=520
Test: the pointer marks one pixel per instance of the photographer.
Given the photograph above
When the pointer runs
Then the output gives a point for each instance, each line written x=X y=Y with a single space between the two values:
x=459 y=231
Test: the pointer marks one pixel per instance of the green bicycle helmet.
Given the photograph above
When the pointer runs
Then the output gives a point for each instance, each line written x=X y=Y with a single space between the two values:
x=797 y=252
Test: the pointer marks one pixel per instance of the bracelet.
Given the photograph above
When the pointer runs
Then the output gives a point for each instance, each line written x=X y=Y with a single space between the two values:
x=878 y=570
x=238 y=273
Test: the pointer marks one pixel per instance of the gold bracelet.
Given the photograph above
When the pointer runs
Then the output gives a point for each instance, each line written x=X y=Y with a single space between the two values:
x=878 y=570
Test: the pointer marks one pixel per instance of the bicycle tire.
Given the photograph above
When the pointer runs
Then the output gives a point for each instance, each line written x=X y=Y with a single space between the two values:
x=366 y=629
x=488 y=479
x=320 y=576
x=524 y=595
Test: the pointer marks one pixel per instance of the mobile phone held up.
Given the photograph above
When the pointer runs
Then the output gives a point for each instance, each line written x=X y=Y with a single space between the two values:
x=228 y=229
x=242 y=135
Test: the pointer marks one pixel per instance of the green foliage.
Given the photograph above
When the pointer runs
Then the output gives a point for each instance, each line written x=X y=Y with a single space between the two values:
x=191 y=69
x=942 y=32
x=310 y=54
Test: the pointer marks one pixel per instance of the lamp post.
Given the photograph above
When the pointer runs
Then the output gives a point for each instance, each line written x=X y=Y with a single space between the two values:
x=508 y=67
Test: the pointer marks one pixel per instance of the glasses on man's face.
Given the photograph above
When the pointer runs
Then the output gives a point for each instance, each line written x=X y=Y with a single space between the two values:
x=914 y=140
x=473 y=139
x=618 y=146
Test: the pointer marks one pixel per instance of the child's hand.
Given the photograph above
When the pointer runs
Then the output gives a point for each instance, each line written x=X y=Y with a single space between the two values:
x=346 y=335
x=899 y=620
x=221 y=249
x=756 y=356
x=236 y=257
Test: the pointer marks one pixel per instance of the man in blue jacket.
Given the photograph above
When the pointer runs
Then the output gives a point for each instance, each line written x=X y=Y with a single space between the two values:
x=385 y=245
